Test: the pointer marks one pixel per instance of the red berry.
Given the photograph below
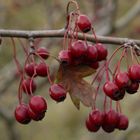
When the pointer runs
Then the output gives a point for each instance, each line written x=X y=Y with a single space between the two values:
x=42 y=69
x=123 y=122
x=21 y=114
x=43 y=52
x=36 y=116
x=132 y=88
x=91 y=127
x=84 y=23
x=96 y=117
x=105 y=126
x=28 y=86
x=38 y=104
x=134 y=73
x=78 y=49
x=102 y=51
x=92 y=53
x=30 y=69
x=57 y=92
x=122 y=80
x=112 y=90
x=112 y=118
x=94 y=65
x=64 y=56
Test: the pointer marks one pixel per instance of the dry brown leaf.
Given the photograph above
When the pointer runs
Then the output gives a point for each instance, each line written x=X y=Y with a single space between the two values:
x=71 y=77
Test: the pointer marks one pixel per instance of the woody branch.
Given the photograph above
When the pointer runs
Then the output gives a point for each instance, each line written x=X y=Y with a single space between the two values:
x=60 y=33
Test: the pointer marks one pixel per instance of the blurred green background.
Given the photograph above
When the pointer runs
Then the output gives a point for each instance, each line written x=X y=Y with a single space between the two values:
x=62 y=120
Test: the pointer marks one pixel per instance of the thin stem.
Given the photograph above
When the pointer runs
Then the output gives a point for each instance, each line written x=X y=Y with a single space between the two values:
x=72 y=2
x=15 y=56
x=97 y=90
x=23 y=46
x=48 y=72
x=99 y=71
x=95 y=37
x=117 y=67
x=132 y=56
x=105 y=101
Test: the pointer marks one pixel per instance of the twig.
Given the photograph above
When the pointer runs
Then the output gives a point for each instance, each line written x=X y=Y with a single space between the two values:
x=60 y=33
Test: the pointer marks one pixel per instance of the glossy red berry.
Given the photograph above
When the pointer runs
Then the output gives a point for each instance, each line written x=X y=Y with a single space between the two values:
x=112 y=118
x=28 y=86
x=94 y=65
x=102 y=51
x=122 y=80
x=42 y=69
x=64 y=56
x=96 y=117
x=84 y=23
x=36 y=116
x=21 y=114
x=132 y=88
x=112 y=90
x=30 y=69
x=92 y=53
x=91 y=127
x=43 y=52
x=134 y=73
x=105 y=126
x=57 y=92
x=38 y=104
x=78 y=49
x=123 y=122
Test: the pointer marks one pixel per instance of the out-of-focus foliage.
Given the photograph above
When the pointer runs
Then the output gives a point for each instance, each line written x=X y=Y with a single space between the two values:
x=62 y=120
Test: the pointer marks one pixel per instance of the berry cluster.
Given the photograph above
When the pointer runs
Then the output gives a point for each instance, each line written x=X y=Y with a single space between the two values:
x=80 y=53
x=107 y=120
x=35 y=110
x=117 y=84
x=123 y=81
x=37 y=105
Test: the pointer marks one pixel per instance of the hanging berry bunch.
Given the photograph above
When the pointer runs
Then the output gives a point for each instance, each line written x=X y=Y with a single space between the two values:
x=36 y=107
x=77 y=60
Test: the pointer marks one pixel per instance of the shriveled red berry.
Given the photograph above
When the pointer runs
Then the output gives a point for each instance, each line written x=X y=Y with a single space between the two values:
x=21 y=114
x=36 y=116
x=42 y=69
x=43 y=52
x=112 y=90
x=96 y=117
x=38 y=104
x=78 y=49
x=28 y=86
x=64 y=56
x=57 y=92
x=123 y=122
x=92 y=53
x=30 y=69
x=84 y=23
x=102 y=51
x=132 y=88
x=134 y=72
x=122 y=80
x=91 y=127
